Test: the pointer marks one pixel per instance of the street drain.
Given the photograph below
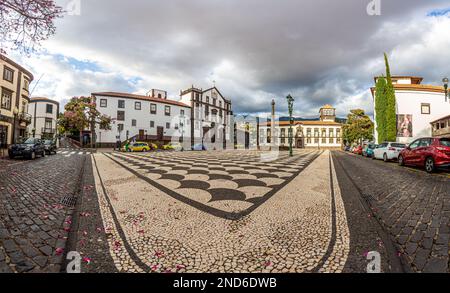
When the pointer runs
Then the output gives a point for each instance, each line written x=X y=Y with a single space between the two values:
x=68 y=201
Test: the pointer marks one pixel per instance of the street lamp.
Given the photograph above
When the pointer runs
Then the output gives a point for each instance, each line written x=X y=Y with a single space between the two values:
x=290 y=101
x=445 y=81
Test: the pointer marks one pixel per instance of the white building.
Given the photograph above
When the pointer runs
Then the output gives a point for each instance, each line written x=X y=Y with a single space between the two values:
x=210 y=116
x=417 y=105
x=44 y=117
x=325 y=133
x=150 y=118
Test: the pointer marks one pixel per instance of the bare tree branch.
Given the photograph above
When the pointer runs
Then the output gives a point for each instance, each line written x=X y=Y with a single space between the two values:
x=24 y=24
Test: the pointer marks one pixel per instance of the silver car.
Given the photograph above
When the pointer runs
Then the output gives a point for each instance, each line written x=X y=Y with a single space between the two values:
x=388 y=151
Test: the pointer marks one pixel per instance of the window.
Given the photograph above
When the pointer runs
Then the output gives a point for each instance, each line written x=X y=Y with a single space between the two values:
x=48 y=124
x=331 y=141
x=152 y=108
x=338 y=133
x=26 y=84
x=283 y=132
x=182 y=112
x=159 y=96
x=324 y=140
x=24 y=107
x=283 y=140
x=207 y=99
x=120 y=127
x=103 y=103
x=121 y=104
x=49 y=108
x=152 y=124
x=167 y=110
x=425 y=108
x=121 y=115
x=137 y=105
x=414 y=144
x=214 y=102
x=197 y=97
x=6 y=99
x=168 y=125
x=308 y=132
x=220 y=104
x=8 y=74
x=176 y=125
x=308 y=140
x=425 y=142
x=133 y=122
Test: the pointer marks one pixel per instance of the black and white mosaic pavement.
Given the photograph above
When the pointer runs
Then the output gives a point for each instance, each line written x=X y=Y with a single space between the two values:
x=229 y=184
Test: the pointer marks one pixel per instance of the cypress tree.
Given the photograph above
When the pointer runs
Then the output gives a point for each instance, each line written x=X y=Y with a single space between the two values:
x=391 y=115
x=380 y=108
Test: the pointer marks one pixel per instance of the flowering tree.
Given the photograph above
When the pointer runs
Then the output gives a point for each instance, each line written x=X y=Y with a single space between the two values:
x=80 y=114
x=25 y=23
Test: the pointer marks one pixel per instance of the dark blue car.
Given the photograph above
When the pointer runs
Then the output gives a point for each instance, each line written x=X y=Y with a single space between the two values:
x=29 y=149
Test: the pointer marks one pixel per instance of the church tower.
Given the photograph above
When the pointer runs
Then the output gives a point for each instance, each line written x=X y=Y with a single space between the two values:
x=327 y=113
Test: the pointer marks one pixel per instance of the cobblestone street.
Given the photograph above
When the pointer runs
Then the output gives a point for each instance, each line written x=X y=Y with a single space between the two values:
x=35 y=209
x=413 y=206
x=230 y=211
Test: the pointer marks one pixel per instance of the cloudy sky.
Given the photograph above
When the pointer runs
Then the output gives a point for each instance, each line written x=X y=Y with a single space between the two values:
x=320 y=51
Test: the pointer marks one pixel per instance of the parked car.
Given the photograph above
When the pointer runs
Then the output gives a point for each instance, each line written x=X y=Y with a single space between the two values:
x=50 y=146
x=388 y=151
x=139 y=147
x=431 y=153
x=30 y=148
x=347 y=148
x=368 y=150
x=358 y=150
x=199 y=147
x=173 y=146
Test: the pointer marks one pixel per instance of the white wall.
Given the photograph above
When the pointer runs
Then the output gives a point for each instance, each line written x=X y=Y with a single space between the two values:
x=41 y=115
x=142 y=117
x=409 y=102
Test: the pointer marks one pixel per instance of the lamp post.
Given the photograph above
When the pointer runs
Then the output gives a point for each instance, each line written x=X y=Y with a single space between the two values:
x=290 y=101
x=445 y=81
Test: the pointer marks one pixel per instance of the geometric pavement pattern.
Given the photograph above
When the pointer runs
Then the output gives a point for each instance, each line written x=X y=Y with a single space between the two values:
x=226 y=184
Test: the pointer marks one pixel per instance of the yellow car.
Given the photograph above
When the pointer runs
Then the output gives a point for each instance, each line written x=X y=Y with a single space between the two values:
x=139 y=147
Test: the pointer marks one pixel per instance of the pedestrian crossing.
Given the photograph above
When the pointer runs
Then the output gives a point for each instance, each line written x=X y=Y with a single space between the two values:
x=68 y=152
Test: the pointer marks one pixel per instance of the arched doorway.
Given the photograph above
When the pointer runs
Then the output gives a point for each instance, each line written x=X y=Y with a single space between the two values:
x=299 y=139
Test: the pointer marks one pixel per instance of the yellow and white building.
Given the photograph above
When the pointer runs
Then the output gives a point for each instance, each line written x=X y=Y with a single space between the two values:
x=14 y=99
x=324 y=133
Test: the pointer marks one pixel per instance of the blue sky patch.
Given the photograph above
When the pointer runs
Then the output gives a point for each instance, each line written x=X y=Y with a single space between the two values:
x=439 y=12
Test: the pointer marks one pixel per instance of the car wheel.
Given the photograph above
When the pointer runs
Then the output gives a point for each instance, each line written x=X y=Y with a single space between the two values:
x=385 y=158
x=11 y=156
x=429 y=165
x=43 y=154
x=33 y=156
x=401 y=161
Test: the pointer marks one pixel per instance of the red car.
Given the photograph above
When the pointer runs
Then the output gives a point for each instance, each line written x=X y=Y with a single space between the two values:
x=431 y=153
x=358 y=150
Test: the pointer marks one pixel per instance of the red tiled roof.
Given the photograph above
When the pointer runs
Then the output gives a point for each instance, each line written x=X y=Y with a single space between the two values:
x=140 y=97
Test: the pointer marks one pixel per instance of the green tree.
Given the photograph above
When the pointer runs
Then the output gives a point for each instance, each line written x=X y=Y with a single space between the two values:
x=80 y=114
x=380 y=108
x=359 y=127
x=390 y=113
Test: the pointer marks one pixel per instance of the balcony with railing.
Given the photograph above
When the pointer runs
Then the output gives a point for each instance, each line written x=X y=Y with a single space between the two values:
x=25 y=117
